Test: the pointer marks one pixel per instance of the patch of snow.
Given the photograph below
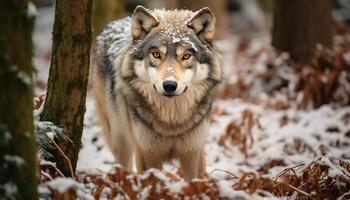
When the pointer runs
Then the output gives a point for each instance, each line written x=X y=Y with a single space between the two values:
x=62 y=184
x=31 y=10
x=11 y=190
x=94 y=155
x=51 y=135
x=174 y=33
x=226 y=191
x=342 y=197
x=45 y=162
x=187 y=40
x=175 y=40
x=171 y=69
x=145 y=192
x=333 y=169
x=177 y=186
x=170 y=78
x=6 y=137
x=15 y=159
x=43 y=189
x=281 y=58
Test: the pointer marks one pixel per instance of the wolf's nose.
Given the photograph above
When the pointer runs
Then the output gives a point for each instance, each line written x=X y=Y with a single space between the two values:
x=169 y=86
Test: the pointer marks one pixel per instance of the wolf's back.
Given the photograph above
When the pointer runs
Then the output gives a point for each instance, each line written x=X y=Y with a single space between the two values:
x=108 y=43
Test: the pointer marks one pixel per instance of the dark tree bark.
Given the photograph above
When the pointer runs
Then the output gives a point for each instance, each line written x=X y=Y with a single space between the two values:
x=299 y=25
x=17 y=154
x=68 y=76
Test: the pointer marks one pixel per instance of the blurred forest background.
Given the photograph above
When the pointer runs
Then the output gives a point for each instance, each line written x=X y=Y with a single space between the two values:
x=280 y=126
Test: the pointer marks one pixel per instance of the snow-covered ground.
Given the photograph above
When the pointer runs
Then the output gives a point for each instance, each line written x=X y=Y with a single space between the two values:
x=290 y=136
x=245 y=136
x=293 y=136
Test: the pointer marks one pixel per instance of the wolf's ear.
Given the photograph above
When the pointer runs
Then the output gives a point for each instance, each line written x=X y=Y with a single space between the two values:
x=142 y=22
x=203 y=24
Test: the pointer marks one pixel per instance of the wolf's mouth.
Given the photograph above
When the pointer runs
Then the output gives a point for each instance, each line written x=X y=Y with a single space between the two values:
x=185 y=90
x=154 y=86
x=169 y=95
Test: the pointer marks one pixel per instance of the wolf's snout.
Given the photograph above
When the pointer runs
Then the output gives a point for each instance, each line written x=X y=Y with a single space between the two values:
x=169 y=86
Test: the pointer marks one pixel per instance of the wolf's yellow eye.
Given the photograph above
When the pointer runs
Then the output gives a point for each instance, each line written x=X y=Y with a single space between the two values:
x=156 y=55
x=186 y=56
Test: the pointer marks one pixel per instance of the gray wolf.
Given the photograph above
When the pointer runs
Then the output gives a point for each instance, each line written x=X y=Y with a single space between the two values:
x=154 y=81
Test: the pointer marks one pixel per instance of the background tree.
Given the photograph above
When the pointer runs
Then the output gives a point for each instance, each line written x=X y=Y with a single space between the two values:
x=105 y=11
x=68 y=76
x=217 y=6
x=17 y=154
x=299 y=25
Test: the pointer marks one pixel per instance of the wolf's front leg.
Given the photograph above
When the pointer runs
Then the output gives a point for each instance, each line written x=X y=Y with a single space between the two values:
x=147 y=160
x=123 y=149
x=192 y=164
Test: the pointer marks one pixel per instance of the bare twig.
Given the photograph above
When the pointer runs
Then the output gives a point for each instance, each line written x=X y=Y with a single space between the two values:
x=233 y=175
x=300 y=191
x=47 y=175
x=57 y=170
x=286 y=170
x=65 y=156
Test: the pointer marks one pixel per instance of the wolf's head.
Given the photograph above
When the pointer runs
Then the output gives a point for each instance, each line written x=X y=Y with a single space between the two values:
x=173 y=49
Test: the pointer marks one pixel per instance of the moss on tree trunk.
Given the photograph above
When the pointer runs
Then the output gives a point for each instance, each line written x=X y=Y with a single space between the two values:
x=299 y=25
x=68 y=76
x=17 y=154
x=105 y=11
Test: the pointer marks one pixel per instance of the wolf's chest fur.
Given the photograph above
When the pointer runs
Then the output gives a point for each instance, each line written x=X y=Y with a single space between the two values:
x=170 y=117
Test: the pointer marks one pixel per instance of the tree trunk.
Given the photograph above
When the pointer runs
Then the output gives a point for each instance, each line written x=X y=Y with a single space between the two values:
x=105 y=11
x=68 y=76
x=299 y=25
x=17 y=154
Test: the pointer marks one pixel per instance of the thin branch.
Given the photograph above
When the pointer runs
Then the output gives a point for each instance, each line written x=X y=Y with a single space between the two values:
x=233 y=175
x=57 y=170
x=287 y=170
x=300 y=191
x=65 y=156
